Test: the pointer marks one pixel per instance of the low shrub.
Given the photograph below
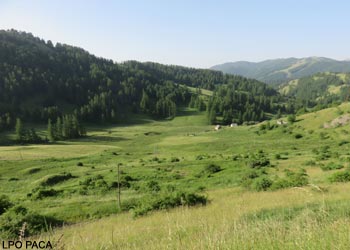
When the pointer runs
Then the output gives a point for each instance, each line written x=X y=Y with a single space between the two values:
x=340 y=177
x=291 y=179
x=167 y=201
x=5 y=203
x=343 y=142
x=14 y=218
x=94 y=184
x=310 y=163
x=258 y=160
x=249 y=177
x=174 y=159
x=200 y=157
x=33 y=170
x=44 y=193
x=212 y=169
x=55 y=179
x=331 y=166
x=261 y=184
x=298 y=136
x=153 y=186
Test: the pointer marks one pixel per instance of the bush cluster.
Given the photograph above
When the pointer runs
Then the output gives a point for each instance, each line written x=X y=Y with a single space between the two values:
x=55 y=179
x=167 y=201
x=12 y=220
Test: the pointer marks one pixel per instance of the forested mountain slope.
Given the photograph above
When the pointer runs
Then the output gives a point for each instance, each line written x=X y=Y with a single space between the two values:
x=41 y=81
x=277 y=71
x=320 y=89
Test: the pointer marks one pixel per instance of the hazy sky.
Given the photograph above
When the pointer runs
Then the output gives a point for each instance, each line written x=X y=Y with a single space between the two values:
x=198 y=33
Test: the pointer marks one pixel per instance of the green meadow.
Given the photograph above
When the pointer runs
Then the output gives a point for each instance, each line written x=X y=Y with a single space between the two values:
x=265 y=186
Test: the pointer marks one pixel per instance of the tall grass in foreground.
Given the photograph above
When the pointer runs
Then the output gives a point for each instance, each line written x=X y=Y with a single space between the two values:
x=287 y=219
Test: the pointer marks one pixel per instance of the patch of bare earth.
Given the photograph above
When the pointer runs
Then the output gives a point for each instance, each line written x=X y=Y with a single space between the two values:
x=339 y=121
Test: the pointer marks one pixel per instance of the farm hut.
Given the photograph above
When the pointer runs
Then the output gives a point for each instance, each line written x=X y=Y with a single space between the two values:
x=281 y=122
x=217 y=127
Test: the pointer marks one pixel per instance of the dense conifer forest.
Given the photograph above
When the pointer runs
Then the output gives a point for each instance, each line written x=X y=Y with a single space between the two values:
x=40 y=81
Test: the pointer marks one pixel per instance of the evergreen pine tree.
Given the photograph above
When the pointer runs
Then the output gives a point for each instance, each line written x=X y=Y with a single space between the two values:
x=144 y=101
x=50 y=131
x=212 y=115
x=59 y=132
x=20 y=133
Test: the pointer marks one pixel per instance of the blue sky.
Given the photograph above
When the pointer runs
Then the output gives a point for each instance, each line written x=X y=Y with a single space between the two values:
x=198 y=33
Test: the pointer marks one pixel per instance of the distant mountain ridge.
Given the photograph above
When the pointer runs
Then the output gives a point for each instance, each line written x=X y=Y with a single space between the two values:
x=277 y=71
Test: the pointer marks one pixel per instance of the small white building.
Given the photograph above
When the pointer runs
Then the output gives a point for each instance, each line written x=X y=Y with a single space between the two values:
x=281 y=122
x=233 y=125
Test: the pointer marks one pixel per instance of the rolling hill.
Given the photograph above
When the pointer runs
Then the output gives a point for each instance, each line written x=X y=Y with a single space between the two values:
x=321 y=88
x=277 y=71
x=41 y=81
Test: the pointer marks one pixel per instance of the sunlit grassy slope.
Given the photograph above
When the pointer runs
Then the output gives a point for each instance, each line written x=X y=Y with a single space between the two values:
x=315 y=216
x=298 y=218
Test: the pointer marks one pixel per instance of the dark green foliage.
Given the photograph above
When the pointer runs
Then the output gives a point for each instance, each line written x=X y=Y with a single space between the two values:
x=212 y=168
x=153 y=186
x=5 y=204
x=95 y=184
x=291 y=118
x=313 y=91
x=19 y=130
x=323 y=154
x=331 y=166
x=67 y=127
x=174 y=159
x=258 y=160
x=12 y=220
x=310 y=163
x=242 y=103
x=343 y=176
x=125 y=182
x=44 y=193
x=50 y=131
x=6 y=121
x=343 y=142
x=298 y=136
x=33 y=170
x=94 y=89
x=55 y=179
x=80 y=164
x=292 y=179
x=167 y=201
x=261 y=184
x=197 y=102
x=200 y=157
x=26 y=135
x=208 y=170
x=251 y=176
x=65 y=80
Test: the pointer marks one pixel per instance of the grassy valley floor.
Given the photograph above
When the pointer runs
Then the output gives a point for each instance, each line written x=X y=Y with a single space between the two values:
x=75 y=182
